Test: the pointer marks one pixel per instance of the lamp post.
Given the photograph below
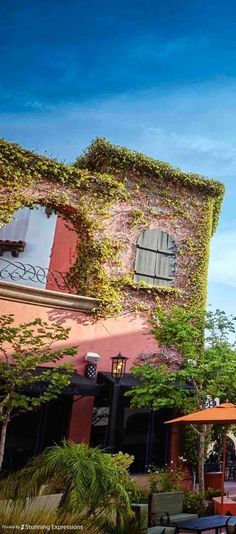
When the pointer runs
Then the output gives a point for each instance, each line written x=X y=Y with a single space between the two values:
x=118 y=366
x=117 y=372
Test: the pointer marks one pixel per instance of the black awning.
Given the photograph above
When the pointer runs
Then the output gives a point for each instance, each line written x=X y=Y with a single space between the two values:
x=128 y=381
x=79 y=385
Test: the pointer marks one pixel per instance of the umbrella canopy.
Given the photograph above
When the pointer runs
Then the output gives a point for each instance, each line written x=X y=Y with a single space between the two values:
x=224 y=414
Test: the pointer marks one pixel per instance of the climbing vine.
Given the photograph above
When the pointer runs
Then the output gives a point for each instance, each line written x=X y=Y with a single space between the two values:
x=102 y=155
x=89 y=192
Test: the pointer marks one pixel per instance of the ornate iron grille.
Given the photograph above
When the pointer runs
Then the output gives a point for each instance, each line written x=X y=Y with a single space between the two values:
x=16 y=271
x=100 y=415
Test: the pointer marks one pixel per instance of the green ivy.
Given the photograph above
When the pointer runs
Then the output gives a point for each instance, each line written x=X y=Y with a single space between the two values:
x=87 y=192
x=102 y=156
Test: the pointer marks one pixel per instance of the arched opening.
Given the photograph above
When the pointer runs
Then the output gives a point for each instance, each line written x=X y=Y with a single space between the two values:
x=38 y=248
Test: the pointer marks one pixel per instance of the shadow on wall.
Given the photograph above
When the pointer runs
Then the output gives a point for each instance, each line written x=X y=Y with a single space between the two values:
x=127 y=334
x=62 y=317
x=109 y=340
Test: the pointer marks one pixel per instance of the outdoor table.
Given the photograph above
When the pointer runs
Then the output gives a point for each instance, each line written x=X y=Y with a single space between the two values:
x=200 y=524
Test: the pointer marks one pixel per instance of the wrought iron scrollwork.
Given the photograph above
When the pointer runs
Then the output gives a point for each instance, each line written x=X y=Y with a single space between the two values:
x=17 y=271
x=100 y=415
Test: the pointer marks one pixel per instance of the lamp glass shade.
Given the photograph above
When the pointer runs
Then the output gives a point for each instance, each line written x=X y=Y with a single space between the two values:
x=118 y=366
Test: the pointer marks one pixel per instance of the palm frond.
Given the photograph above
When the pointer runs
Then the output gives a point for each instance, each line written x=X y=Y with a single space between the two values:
x=92 y=483
x=16 y=518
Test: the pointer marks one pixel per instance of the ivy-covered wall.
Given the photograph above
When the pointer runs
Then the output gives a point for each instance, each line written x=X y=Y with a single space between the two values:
x=111 y=195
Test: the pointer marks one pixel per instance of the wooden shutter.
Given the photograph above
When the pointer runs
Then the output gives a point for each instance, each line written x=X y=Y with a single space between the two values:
x=16 y=230
x=155 y=258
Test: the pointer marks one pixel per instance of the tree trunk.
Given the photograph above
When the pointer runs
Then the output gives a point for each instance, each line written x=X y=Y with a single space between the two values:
x=201 y=462
x=3 y=440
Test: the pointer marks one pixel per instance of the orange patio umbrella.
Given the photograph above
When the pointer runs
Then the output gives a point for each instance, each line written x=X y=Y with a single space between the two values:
x=223 y=414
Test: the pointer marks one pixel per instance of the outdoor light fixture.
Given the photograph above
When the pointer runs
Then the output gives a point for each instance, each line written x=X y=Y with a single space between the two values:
x=118 y=366
x=91 y=370
x=48 y=211
x=92 y=358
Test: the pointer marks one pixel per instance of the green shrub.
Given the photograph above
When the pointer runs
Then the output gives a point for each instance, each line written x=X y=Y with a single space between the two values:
x=212 y=492
x=164 y=479
x=123 y=462
x=194 y=502
x=198 y=502
x=142 y=496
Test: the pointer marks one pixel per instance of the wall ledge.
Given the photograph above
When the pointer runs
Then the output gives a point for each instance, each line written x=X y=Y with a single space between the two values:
x=45 y=297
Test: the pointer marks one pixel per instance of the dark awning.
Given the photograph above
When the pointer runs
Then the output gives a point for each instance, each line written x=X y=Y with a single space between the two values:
x=128 y=381
x=79 y=385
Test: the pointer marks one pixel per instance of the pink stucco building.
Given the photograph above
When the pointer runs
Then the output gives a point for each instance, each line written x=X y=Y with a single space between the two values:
x=161 y=227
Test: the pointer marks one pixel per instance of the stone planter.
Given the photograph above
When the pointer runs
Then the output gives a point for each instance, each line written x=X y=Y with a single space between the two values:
x=43 y=502
x=229 y=505
x=141 y=515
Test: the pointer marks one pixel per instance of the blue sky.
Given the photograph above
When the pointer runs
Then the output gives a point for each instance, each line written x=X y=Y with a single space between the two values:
x=157 y=76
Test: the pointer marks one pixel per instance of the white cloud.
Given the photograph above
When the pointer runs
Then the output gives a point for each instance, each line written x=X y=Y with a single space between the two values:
x=200 y=144
x=192 y=127
x=223 y=258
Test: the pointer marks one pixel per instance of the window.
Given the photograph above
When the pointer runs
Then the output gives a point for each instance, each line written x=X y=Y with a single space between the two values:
x=26 y=245
x=155 y=258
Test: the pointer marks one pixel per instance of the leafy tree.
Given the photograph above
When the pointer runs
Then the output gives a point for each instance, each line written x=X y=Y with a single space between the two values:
x=203 y=369
x=23 y=349
x=92 y=483
x=190 y=446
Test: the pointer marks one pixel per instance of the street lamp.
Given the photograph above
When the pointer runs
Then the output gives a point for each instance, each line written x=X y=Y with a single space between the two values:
x=118 y=366
x=117 y=372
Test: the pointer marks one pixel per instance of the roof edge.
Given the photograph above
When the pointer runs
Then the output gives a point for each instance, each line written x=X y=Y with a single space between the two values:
x=103 y=156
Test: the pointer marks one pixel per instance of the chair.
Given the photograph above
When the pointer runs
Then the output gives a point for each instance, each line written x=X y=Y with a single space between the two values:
x=230 y=527
x=141 y=518
x=166 y=510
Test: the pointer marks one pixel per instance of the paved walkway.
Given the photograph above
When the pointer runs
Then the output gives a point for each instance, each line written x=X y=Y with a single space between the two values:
x=230 y=487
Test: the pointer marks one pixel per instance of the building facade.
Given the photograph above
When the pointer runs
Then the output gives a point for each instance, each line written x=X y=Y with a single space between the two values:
x=96 y=246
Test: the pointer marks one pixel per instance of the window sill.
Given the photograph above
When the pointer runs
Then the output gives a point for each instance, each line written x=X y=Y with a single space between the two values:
x=45 y=297
x=165 y=290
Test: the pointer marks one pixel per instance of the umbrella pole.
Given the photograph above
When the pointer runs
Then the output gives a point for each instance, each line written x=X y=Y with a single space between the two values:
x=223 y=471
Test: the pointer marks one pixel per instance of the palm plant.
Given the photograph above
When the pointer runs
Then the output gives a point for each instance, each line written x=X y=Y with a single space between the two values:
x=92 y=482
x=15 y=519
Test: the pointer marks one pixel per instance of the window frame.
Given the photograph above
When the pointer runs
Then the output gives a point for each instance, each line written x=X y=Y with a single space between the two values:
x=157 y=251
